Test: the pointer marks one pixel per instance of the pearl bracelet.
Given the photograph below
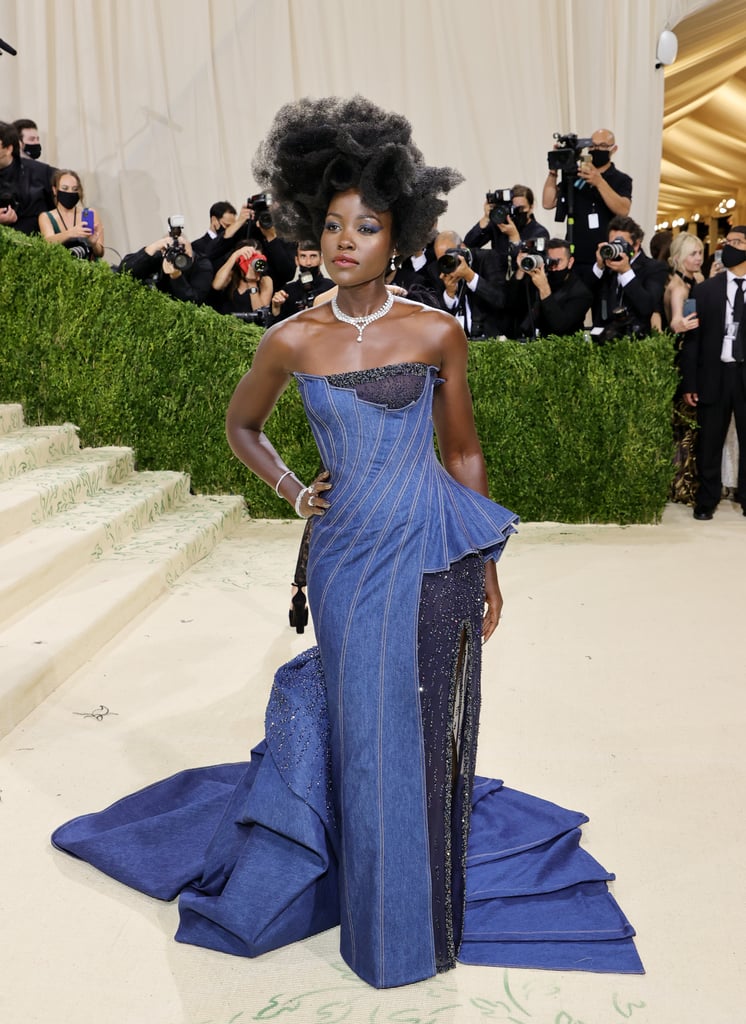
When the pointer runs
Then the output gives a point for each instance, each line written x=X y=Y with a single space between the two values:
x=288 y=472
x=298 y=500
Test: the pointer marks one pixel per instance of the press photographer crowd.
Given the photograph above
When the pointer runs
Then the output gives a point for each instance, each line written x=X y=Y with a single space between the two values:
x=504 y=278
x=508 y=276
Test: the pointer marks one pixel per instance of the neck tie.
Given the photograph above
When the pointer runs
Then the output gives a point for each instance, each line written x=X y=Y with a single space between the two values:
x=738 y=345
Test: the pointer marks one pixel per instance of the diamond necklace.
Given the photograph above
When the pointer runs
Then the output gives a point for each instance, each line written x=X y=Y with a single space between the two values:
x=361 y=322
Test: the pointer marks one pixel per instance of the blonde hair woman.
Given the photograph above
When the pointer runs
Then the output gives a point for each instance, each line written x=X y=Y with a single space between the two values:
x=687 y=253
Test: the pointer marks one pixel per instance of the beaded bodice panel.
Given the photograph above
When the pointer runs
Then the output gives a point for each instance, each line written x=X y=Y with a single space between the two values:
x=394 y=386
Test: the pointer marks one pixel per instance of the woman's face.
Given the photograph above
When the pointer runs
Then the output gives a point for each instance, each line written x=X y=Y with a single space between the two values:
x=356 y=241
x=68 y=183
x=692 y=261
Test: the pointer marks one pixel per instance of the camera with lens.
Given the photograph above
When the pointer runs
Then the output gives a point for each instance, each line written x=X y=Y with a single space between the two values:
x=175 y=252
x=9 y=200
x=531 y=254
x=615 y=249
x=531 y=261
x=622 y=324
x=501 y=201
x=260 y=204
x=262 y=317
x=79 y=248
x=450 y=259
x=257 y=260
x=307 y=281
x=568 y=153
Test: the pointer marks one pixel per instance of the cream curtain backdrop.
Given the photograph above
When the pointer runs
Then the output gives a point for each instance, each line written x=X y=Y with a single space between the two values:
x=159 y=104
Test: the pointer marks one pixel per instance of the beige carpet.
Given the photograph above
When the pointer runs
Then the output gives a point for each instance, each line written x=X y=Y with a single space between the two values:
x=615 y=685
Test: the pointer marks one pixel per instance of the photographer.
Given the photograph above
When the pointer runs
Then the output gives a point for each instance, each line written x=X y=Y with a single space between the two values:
x=508 y=220
x=218 y=240
x=242 y=286
x=71 y=223
x=587 y=185
x=629 y=284
x=300 y=293
x=544 y=295
x=25 y=185
x=251 y=224
x=169 y=265
x=468 y=284
x=254 y=224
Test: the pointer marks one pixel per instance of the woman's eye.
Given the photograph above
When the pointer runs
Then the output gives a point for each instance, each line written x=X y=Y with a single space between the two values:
x=331 y=226
x=369 y=229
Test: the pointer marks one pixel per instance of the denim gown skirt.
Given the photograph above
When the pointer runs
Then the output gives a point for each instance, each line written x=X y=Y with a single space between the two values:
x=327 y=823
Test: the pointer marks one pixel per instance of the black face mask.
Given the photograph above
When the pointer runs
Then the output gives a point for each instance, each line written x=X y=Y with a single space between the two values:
x=32 y=149
x=519 y=218
x=68 y=199
x=599 y=157
x=733 y=256
x=556 y=277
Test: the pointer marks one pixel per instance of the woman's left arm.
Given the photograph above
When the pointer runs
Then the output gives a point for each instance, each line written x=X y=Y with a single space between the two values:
x=453 y=415
x=458 y=443
x=679 y=323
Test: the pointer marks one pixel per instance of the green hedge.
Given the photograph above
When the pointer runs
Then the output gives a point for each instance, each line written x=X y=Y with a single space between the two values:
x=571 y=432
x=577 y=432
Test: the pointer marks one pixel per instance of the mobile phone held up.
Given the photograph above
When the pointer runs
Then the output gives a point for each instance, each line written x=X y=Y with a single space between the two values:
x=87 y=219
x=690 y=306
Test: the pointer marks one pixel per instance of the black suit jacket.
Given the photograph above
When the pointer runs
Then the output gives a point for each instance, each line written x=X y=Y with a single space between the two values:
x=562 y=312
x=642 y=297
x=487 y=303
x=193 y=285
x=505 y=251
x=216 y=250
x=29 y=183
x=701 y=366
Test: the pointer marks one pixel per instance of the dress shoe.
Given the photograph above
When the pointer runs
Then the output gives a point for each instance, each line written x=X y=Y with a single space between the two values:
x=703 y=513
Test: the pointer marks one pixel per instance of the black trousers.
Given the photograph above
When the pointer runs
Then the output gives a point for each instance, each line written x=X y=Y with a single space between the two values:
x=714 y=420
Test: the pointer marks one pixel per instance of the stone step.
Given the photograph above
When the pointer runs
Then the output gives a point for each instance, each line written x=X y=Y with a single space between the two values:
x=38 y=560
x=35 y=496
x=29 y=448
x=43 y=646
x=11 y=417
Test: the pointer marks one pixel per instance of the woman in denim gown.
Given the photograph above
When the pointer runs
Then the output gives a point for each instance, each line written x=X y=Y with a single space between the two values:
x=398 y=628
x=356 y=808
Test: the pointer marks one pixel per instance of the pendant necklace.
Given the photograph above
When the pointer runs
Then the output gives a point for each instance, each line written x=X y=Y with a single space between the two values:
x=64 y=222
x=361 y=322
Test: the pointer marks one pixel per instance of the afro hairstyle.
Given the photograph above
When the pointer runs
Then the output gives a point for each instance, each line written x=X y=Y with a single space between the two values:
x=318 y=147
